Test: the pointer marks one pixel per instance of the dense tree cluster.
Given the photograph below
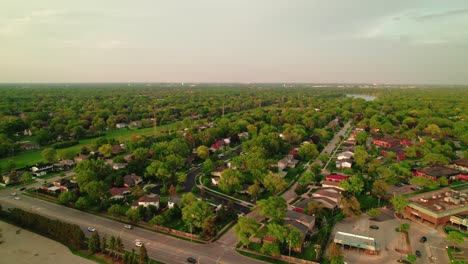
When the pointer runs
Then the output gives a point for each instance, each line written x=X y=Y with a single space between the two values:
x=66 y=233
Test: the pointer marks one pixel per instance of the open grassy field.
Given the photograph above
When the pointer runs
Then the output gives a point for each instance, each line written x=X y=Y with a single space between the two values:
x=32 y=157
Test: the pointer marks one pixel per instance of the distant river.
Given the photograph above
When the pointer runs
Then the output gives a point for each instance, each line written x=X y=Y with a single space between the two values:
x=363 y=96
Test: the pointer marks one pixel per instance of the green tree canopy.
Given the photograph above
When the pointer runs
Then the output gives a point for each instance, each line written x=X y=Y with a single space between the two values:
x=274 y=207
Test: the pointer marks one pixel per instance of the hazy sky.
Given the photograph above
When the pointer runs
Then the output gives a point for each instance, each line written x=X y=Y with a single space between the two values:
x=397 y=41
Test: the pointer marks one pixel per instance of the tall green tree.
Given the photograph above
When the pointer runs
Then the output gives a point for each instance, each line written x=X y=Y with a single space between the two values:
x=94 y=243
x=49 y=154
x=245 y=228
x=143 y=259
x=399 y=203
x=197 y=213
x=274 y=207
x=354 y=184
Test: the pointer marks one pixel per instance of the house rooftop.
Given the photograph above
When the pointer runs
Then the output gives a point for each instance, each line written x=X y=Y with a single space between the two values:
x=461 y=162
x=148 y=199
x=119 y=191
x=293 y=215
x=300 y=227
x=439 y=171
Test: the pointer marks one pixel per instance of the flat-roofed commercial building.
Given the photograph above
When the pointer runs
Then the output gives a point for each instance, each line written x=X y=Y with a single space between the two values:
x=437 y=207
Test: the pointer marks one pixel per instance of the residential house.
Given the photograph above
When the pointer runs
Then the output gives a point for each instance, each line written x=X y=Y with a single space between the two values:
x=173 y=201
x=460 y=164
x=219 y=171
x=287 y=162
x=301 y=228
x=119 y=166
x=119 y=193
x=117 y=149
x=135 y=124
x=218 y=145
x=331 y=184
x=345 y=155
x=121 y=125
x=132 y=180
x=64 y=164
x=12 y=177
x=330 y=193
x=29 y=146
x=398 y=150
x=80 y=158
x=243 y=135
x=344 y=163
x=147 y=201
x=306 y=220
x=65 y=185
x=386 y=142
x=436 y=172
x=42 y=169
x=336 y=177
x=215 y=180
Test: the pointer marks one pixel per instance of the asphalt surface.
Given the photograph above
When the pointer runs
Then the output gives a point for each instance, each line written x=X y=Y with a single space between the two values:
x=160 y=247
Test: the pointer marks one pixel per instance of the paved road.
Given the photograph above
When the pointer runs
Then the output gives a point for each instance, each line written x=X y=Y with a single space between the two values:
x=290 y=195
x=160 y=247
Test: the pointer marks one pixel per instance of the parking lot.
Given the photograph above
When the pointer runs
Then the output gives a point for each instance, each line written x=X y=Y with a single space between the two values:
x=386 y=238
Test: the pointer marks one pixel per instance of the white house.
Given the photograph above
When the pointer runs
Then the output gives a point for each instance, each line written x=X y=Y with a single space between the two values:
x=345 y=155
x=146 y=201
x=344 y=163
x=173 y=201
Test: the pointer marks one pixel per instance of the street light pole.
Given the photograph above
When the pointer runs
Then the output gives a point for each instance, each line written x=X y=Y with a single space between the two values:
x=289 y=245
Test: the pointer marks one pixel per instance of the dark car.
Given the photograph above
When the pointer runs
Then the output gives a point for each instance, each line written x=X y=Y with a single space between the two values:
x=191 y=260
x=22 y=188
x=374 y=227
x=423 y=239
x=418 y=253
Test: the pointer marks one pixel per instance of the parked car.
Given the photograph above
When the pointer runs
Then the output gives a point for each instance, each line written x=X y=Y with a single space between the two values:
x=22 y=188
x=13 y=193
x=17 y=198
x=128 y=226
x=374 y=227
x=191 y=260
x=418 y=253
x=423 y=239
x=91 y=229
x=138 y=243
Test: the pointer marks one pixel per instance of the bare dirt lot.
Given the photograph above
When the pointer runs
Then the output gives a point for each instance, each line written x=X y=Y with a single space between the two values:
x=26 y=247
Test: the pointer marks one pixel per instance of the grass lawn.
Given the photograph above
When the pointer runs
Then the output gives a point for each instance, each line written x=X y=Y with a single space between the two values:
x=29 y=158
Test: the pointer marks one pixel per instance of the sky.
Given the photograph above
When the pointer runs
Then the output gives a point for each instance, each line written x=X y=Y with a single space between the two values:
x=332 y=41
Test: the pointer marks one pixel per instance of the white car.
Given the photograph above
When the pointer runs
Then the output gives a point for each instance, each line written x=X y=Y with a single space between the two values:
x=17 y=198
x=138 y=243
x=13 y=193
x=128 y=226
x=91 y=229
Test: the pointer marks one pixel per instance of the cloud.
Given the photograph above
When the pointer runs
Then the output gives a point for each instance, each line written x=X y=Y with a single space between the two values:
x=445 y=14
x=428 y=29
x=18 y=25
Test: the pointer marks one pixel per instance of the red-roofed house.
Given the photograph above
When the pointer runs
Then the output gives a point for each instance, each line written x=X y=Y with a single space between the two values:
x=336 y=177
x=118 y=193
x=217 y=145
x=398 y=150
x=387 y=142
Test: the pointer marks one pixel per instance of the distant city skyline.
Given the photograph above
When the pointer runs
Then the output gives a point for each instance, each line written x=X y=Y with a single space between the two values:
x=236 y=41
